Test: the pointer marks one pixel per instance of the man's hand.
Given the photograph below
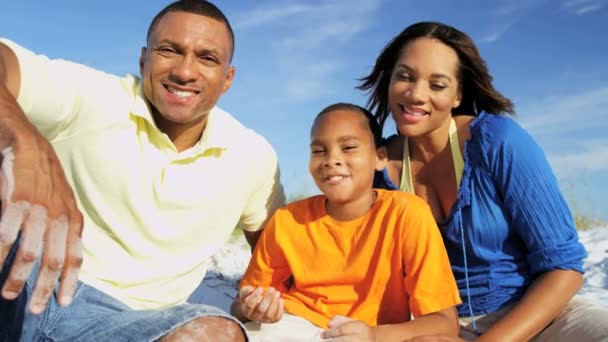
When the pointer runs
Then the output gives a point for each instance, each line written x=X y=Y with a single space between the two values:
x=261 y=306
x=38 y=201
x=344 y=329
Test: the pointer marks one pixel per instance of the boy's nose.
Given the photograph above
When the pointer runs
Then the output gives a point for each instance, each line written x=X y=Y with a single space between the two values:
x=333 y=159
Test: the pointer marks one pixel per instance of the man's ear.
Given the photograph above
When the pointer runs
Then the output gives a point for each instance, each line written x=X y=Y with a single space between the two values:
x=229 y=79
x=142 y=57
x=381 y=158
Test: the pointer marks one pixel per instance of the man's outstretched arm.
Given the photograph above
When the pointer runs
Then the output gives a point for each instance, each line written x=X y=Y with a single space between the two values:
x=37 y=201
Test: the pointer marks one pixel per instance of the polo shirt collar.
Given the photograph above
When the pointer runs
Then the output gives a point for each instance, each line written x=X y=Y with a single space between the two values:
x=214 y=135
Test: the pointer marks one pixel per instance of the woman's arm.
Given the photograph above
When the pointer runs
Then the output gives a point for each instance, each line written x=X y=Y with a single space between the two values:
x=538 y=214
x=443 y=322
x=543 y=301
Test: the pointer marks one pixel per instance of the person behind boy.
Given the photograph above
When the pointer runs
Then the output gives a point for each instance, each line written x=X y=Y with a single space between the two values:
x=356 y=261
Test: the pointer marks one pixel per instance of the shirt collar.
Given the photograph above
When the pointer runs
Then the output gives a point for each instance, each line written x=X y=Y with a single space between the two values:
x=216 y=130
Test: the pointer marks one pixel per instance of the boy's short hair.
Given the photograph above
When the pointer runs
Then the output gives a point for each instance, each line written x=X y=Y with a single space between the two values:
x=374 y=126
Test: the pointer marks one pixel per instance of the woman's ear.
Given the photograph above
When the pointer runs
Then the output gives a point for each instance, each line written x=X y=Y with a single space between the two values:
x=381 y=158
x=458 y=99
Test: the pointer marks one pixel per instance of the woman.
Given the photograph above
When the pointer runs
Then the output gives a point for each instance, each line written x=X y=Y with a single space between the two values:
x=508 y=231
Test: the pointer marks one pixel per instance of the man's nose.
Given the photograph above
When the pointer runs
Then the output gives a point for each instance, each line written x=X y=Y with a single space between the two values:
x=185 y=69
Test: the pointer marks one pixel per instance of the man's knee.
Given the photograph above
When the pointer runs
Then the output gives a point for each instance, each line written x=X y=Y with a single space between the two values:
x=207 y=329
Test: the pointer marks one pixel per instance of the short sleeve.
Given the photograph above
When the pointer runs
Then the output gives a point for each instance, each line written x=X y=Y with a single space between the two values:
x=268 y=265
x=428 y=277
x=267 y=194
x=532 y=199
x=55 y=94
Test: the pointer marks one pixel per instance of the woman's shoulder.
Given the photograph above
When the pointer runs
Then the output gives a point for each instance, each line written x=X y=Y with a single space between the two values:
x=497 y=129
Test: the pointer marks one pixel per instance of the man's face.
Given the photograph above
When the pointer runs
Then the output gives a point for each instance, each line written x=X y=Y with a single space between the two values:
x=186 y=68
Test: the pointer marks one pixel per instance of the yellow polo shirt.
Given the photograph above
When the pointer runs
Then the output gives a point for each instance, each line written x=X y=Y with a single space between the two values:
x=152 y=216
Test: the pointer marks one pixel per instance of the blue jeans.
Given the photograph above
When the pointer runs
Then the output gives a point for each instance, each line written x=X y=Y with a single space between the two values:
x=92 y=316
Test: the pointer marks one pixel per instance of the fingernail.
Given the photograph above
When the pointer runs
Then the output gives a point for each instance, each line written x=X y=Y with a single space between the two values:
x=9 y=295
x=36 y=309
x=65 y=300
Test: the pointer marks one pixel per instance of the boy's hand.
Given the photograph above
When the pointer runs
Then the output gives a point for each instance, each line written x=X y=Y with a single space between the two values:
x=344 y=329
x=436 y=338
x=259 y=306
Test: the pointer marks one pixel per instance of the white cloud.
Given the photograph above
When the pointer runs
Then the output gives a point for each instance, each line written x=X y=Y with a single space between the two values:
x=303 y=31
x=494 y=33
x=504 y=16
x=582 y=7
x=588 y=9
x=564 y=125
x=590 y=156
x=267 y=15
x=561 y=113
x=309 y=83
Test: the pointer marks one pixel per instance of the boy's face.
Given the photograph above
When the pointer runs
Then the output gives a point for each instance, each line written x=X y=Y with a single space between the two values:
x=343 y=157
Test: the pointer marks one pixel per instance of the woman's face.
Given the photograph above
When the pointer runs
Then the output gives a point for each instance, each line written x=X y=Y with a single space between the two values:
x=424 y=87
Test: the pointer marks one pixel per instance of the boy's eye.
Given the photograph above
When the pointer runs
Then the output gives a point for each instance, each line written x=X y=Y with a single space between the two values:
x=317 y=151
x=350 y=147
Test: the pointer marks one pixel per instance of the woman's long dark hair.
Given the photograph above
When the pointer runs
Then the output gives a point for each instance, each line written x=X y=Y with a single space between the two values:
x=478 y=93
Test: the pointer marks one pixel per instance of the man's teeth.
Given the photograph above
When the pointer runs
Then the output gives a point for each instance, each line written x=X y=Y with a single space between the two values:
x=181 y=93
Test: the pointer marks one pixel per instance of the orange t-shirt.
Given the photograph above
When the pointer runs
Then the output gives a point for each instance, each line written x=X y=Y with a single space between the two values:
x=378 y=268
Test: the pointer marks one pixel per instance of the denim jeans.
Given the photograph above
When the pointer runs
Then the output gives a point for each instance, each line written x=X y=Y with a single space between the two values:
x=92 y=316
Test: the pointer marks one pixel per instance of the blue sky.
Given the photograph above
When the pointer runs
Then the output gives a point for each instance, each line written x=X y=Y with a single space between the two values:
x=293 y=58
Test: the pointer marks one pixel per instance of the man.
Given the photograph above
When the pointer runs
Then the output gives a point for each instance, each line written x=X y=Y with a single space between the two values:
x=161 y=177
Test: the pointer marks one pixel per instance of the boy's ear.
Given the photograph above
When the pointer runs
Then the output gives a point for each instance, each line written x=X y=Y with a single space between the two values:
x=381 y=158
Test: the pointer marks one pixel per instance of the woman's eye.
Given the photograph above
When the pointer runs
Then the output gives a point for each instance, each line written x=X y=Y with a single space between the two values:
x=406 y=77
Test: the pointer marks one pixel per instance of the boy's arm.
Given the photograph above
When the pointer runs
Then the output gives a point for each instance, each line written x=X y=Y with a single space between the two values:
x=36 y=200
x=259 y=298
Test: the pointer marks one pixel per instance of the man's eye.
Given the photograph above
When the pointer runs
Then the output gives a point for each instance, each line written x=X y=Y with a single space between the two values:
x=166 y=50
x=208 y=58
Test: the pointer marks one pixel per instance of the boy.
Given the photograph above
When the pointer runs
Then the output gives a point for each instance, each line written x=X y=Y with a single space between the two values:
x=356 y=260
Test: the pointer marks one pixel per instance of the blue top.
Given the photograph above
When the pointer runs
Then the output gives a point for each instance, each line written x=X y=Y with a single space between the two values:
x=515 y=221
